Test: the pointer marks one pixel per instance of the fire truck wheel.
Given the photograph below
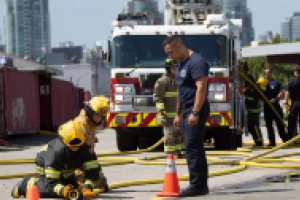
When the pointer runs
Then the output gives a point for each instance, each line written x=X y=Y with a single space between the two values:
x=126 y=140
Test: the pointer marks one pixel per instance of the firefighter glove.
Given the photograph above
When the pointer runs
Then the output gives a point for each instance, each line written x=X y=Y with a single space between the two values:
x=66 y=190
x=87 y=193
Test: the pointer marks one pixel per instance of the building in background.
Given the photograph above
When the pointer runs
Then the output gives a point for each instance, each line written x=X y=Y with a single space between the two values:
x=2 y=47
x=90 y=77
x=27 y=28
x=290 y=28
x=267 y=37
x=72 y=54
x=237 y=9
x=149 y=7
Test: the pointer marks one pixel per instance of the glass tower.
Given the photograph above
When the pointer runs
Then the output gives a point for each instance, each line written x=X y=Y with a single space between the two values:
x=27 y=28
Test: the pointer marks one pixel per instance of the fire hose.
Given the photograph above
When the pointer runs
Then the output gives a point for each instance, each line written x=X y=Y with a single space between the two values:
x=257 y=160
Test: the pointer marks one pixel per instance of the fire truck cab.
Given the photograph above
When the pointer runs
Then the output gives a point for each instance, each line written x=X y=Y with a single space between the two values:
x=136 y=56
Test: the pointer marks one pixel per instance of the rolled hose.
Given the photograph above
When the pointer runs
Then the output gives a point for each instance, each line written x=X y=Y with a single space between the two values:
x=251 y=160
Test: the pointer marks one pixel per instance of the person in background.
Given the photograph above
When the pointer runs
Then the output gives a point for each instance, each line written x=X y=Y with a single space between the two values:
x=293 y=93
x=165 y=97
x=91 y=117
x=273 y=93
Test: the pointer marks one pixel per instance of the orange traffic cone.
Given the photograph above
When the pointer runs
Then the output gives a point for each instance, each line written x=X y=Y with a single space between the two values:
x=171 y=185
x=32 y=193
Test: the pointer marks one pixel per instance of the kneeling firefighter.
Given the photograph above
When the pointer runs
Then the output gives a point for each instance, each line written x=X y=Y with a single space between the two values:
x=253 y=107
x=165 y=97
x=91 y=117
x=56 y=164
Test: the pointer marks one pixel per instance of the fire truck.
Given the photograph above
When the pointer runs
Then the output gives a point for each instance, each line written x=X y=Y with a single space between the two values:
x=136 y=56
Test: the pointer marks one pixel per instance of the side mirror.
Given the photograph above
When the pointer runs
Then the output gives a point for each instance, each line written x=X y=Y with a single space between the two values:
x=106 y=51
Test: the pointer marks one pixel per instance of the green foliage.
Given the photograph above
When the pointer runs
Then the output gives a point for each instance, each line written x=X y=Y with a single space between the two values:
x=297 y=40
x=282 y=73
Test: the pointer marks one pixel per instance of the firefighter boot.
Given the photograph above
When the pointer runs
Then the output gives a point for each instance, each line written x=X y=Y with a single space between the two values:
x=19 y=189
x=102 y=182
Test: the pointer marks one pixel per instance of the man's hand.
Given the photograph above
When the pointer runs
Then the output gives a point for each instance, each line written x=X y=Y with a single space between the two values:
x=176 y=122
x=286 y=106
x=193 y=120
x=91 y=150
x=66 y=190
x=87 y=193
x=273 y=100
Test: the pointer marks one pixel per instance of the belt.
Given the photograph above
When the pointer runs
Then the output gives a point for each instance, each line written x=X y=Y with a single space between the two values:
x=185 y=106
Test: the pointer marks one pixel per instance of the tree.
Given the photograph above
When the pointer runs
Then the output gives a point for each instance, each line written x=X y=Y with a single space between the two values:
x=280 y=72
x=297 y=40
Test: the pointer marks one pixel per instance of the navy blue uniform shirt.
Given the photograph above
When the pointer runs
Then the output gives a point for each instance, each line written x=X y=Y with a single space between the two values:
x=186 y=73
x=294 y=89
x=273 y=88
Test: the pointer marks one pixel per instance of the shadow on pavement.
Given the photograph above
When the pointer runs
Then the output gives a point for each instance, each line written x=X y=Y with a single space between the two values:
x=21 y=142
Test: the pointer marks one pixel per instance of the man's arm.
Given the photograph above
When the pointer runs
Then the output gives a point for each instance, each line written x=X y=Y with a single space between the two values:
x=287 y=97
x=201 y=84
x=280 y=92
x=279 y=95
x=200 y=71
x=178 y=104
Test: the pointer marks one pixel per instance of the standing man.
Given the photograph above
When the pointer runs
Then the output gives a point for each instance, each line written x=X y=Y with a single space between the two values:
x=192 y=105
x=253 y=107
x=293 y=93
x=273 y=93
x=165 y=97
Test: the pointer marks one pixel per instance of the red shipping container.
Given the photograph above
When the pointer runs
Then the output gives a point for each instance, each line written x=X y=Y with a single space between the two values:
x=21 y=102
x=87 y=96
x=80 y=98
x=62 y=97
x=45 y=102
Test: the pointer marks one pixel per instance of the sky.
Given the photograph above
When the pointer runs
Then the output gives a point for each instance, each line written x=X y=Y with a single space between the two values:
x=86 y=21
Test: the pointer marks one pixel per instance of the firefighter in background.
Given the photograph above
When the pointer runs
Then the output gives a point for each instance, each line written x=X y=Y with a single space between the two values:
x=56 y=163
x=91 y=117
x=253 y=108
x=165 y=97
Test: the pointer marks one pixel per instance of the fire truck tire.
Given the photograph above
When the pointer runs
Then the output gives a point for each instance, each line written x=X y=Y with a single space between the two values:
x=225 y=139
x=126 y=141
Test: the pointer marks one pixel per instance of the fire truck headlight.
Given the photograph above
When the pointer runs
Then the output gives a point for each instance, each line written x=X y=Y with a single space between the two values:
x=119 y=97
x=119 y=89
x=219 y=97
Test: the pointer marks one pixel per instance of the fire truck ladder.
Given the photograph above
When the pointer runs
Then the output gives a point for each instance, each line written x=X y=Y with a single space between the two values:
x=189 y=12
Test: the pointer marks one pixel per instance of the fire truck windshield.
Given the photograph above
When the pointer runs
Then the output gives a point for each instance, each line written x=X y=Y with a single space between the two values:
x=146 y=51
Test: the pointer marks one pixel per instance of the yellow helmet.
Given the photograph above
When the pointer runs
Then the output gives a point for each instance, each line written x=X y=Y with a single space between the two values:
x=72 y=133
x=262 y=82
x=99 y=105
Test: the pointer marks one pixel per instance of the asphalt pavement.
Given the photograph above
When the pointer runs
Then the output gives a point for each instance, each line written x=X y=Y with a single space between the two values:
x=248 y=184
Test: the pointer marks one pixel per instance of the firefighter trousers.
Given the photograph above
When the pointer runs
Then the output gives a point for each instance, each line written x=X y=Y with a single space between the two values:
x=254 y=128
x=293 y=118
x=270 y=116
x=39 y=182
x=173 y=139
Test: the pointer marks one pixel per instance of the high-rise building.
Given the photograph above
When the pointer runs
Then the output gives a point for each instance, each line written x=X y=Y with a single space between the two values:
x=290 y=28
x=267 y=37
x=237 y=9
x=149 y=7
x=27 y=28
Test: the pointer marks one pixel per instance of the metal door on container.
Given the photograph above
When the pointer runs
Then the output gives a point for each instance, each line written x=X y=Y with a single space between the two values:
x=45 y=102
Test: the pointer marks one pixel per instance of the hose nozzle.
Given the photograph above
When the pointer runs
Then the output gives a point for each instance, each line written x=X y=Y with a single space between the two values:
x=73 y=194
